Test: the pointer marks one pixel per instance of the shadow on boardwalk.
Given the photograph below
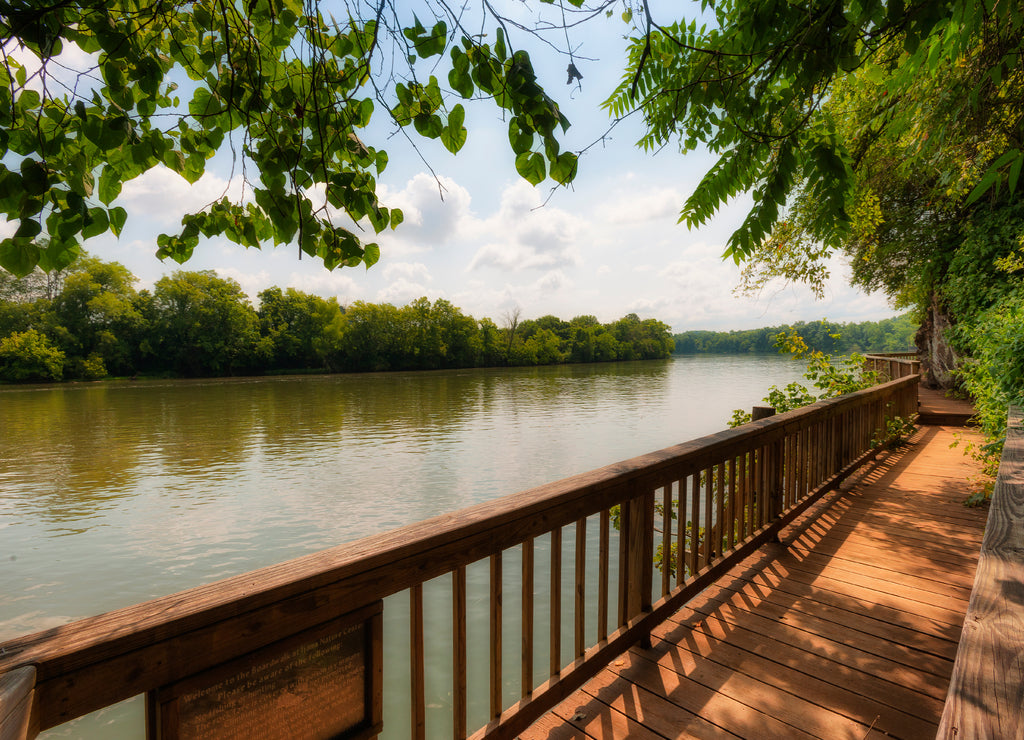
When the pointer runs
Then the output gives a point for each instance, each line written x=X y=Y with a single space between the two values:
x=847 y=629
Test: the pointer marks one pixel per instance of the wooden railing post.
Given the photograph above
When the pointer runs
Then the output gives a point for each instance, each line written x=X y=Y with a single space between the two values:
x=18 y=721
x=775 y=488
x=639 y=565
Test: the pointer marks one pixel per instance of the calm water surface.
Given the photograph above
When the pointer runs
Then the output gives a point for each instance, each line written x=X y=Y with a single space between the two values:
x=114 y=493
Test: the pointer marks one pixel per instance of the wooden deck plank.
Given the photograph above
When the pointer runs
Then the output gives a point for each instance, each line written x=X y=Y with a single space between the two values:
x=846 y=629
x=846 y=699
x=834 y=670
x=889 y=627
x=935 y=408
x=818 y=595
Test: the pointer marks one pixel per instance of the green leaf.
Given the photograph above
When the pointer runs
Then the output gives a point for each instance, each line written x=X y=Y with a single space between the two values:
x=1015 y=173
x=18 y=256
x=59 y=255
x=34 y=177
x=460 y=78
x=563 y=169
x=454 y=134
x=109 y=186
x=428 y=126
x=371 y=253
x=530 y=165
x=521 y=141
x=117 y=216
x=983 y=186
x=96 y=223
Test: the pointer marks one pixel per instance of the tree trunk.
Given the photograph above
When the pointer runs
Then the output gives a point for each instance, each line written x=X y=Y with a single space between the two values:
x=939 y=362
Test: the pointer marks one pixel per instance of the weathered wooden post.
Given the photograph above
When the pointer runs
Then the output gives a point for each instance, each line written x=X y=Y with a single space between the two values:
x=638 y=529
x=17 y=697
x=774 y=472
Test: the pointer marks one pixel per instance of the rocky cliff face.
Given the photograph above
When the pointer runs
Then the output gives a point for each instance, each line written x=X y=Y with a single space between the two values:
x=938 y=359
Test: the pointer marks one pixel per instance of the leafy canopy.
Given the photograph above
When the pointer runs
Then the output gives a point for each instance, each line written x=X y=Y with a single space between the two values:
x=291 y=91
x=757 y=87
x=93 y=93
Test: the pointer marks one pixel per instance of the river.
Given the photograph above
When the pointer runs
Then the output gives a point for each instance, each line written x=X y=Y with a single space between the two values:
x=117 y=492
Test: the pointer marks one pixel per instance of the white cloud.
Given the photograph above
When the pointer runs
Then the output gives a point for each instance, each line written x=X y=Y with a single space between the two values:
x=162 y=196
x=252 y=283
x=336 y=284
x=402 y=291
x=643 y=206
x=406 y=281
x=526 y=236
x=407 y=271
x=435 y=211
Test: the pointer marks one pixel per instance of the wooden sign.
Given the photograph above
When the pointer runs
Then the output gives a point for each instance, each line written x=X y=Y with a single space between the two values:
x=321 y=683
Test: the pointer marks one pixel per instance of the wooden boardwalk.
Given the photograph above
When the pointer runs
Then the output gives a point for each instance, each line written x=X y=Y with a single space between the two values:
x=936 y=409
x=848 y=629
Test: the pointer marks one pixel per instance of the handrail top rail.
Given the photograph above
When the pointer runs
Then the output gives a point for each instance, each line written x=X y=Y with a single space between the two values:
x=465 y=535
x=892 y=356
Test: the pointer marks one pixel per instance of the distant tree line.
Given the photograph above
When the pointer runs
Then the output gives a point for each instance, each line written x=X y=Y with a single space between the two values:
x=89 y=322
x=888 y=335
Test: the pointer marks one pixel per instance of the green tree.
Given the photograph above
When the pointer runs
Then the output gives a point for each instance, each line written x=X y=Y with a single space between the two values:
x=28 y=356
x=290 y=89
x=761 y=86
x=203 y=324
x=100 y=324
x=372 y=337
x=293 y=324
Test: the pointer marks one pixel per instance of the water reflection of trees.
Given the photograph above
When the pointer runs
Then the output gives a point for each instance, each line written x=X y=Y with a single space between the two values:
x=79 y=449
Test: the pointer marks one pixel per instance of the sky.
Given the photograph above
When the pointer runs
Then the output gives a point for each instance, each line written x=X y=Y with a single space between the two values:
x=478 y=235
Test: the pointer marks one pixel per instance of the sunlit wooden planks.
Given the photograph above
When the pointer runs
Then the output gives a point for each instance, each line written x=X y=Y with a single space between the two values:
x=847 y=629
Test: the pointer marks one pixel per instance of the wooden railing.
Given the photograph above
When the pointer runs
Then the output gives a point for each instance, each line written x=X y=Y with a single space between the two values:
x=893 y=365
x=685 y=515
x=986 y=690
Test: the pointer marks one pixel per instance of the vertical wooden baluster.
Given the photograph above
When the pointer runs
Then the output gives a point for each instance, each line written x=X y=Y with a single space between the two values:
x=790 y=471
x=802 y=465
x=827 y=448
x=527 y=639
x=681 y=532
x=764 y=465
x=416 y=664
x=709 y=503
x=459 y=704
x=733 y=503
x=555 y=656
x=695 y=496
x=623 y=605
x=744 y=485
x=496 y=608
x=757 y=487
x=602 y=575
x=666 y=538
x=819 y=453
x=719 y=527
x=580 y=609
